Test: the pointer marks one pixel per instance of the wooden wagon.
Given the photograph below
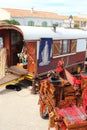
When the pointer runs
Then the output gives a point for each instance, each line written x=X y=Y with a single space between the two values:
x=70 y=118
x=42 y=47
x=61 y=95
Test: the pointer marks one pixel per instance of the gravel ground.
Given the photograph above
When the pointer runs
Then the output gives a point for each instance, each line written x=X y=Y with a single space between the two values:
x=19 y=110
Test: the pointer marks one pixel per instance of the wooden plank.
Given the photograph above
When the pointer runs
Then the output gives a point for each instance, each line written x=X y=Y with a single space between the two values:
x=74 y=126
x=8 y=78
x=17 y=70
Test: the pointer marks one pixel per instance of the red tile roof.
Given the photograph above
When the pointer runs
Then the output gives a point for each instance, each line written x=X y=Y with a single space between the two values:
x=32 y=13
x=39 y=14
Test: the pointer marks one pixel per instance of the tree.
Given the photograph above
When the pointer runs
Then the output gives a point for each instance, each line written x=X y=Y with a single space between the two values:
x=14 y=22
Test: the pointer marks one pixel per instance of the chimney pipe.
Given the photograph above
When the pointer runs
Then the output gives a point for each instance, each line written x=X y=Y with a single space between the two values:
x=54 y=26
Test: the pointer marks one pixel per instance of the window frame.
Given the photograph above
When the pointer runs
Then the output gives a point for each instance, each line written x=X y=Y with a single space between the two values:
x=63 y=47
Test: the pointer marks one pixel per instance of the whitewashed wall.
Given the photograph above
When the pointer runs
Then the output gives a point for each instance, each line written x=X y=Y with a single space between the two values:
x=4 y=15
x=37 y=21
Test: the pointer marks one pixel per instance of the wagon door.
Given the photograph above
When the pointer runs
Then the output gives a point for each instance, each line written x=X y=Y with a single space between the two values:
x=32 y=58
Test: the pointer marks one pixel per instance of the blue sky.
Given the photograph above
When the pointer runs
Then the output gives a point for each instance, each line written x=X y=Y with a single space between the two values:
x=62 y=7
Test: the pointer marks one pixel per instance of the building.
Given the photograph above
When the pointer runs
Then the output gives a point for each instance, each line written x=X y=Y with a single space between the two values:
x=42 y=18
x=31 y=17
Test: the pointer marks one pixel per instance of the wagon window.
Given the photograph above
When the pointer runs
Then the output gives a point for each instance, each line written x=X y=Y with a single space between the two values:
x=63 y=47
x=66 y=46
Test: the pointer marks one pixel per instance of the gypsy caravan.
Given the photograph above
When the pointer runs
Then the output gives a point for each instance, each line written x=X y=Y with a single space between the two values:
x=44 y=47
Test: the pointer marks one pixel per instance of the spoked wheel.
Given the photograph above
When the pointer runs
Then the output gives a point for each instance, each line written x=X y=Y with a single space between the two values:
x=44 y=111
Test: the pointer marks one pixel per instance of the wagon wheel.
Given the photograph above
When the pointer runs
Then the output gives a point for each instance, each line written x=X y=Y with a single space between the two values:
x=44 y=111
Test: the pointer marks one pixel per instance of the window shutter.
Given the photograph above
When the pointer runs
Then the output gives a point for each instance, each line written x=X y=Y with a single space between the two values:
x=56 y=48
x=73 y=46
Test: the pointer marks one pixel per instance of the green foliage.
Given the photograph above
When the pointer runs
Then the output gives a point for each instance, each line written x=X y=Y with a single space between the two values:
x=14 y=22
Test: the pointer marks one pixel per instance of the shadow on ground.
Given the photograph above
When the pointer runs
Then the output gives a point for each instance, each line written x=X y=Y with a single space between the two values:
x=16 y=87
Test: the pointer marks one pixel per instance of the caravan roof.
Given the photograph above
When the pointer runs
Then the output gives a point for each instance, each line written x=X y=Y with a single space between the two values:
x=35 y=33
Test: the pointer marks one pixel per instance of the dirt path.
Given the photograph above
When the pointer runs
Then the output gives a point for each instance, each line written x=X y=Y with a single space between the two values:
x=19 y=110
